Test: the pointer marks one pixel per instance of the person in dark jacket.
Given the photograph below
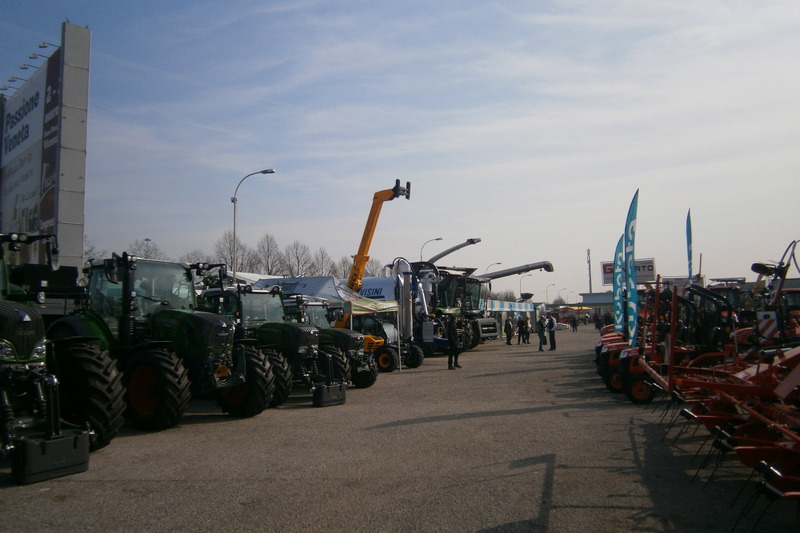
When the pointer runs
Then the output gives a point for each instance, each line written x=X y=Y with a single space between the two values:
x=551 y=331
x=541 y=330
x=508 y=329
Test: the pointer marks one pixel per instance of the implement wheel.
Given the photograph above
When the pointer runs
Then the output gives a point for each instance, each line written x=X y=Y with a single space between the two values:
x=157 y=389
x=415 y=356
x=639 y=390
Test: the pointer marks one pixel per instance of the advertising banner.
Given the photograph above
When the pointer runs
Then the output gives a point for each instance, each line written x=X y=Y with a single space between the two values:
x=689 y=242
x=619 y=284
x=632 y=308
x=21 y=157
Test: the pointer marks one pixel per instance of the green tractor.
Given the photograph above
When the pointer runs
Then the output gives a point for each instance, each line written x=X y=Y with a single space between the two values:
x=288 y=330
x=45 y=382
x=145 y=313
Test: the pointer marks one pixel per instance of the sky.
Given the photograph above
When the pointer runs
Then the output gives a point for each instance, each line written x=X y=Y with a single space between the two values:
x=528 y=124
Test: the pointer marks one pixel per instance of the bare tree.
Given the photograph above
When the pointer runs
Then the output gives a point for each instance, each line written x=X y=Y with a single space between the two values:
x=90 y=251
x=269 y=255
x=373 y=267
x=341 y=268
x=321 y=264
x=146 y=249
x=196 y=256
x=223 y=252
x=297 y=259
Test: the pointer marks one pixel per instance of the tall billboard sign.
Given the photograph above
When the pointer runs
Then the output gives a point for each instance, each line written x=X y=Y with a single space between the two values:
x=43 y=151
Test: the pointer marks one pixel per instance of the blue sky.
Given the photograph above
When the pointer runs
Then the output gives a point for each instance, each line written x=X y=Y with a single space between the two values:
x=528 y=124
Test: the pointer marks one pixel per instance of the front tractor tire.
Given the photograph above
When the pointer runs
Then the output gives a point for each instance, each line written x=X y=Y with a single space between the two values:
x=363 y=379
x=340 y=364
x=284 y=377
x=256 y=393
x=157 y=389
x=90 y=391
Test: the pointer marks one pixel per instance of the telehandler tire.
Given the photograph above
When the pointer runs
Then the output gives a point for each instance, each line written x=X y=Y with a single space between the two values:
x=256 y=393
x=157 y=389
x=387 y=359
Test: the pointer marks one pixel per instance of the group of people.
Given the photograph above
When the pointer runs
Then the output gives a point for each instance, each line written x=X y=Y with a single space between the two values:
x=545 y=329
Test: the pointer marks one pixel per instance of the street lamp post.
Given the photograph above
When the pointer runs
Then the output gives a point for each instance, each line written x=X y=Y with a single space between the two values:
x=233 y=201
x=426 y=242
x=559 y=293
x=520 y=283
x=490 y=266
x=546 y=297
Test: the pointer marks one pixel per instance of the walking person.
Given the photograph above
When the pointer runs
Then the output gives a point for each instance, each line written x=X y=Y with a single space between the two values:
x=541 y=328
x=508 y=329
x=551 y=331
x=520 y=330
x=575 y=323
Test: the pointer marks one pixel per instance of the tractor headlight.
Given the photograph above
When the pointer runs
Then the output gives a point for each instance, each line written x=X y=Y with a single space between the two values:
x=6 y=351
x=40 y=351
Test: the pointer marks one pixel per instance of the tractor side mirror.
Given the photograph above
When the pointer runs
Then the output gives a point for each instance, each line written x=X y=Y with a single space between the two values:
x=110 y=269
x=51 y=252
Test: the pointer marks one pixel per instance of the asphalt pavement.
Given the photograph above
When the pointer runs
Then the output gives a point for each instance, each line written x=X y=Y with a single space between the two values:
x=516 y=440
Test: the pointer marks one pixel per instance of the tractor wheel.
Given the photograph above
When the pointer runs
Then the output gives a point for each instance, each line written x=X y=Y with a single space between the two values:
x=387 y=359
x=284 y=378
x=476 y=334
x=157 y=389
x=256 y=393
x=90 y=390
x=639 y=390
x=613 y=381
x=366 y=378
x=415 y=356
x=469 y=336
x=341 y=366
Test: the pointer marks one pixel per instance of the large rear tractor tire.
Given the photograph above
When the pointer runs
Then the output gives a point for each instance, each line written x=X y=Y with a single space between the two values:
x=90 y=391
x=284 y=378
x=256 y=393
x=387 y=359
x=157 y=389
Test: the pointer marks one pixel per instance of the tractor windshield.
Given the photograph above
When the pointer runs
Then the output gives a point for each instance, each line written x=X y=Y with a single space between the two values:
x=261 y=307
x=163 y=284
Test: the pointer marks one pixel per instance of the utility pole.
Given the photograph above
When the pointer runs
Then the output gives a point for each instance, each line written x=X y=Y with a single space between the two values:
x=589 y=262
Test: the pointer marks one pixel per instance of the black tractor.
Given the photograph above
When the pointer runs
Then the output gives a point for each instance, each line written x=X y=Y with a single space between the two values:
x=145 y=313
